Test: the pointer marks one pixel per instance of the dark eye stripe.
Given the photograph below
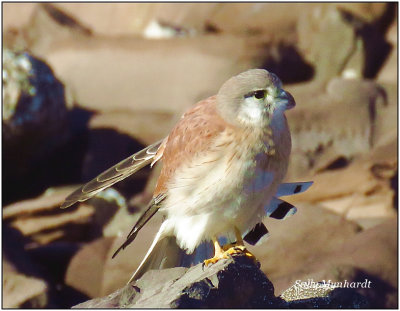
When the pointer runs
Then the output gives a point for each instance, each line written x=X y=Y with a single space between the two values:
x=257 y=94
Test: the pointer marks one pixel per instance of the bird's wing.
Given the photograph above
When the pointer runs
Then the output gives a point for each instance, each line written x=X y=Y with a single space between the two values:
x=192 y=136
x=186 y=138
x=151 y=209
x=117 y=173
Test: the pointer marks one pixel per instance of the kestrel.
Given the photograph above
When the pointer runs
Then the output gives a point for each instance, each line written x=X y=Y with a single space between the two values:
x=223 y=164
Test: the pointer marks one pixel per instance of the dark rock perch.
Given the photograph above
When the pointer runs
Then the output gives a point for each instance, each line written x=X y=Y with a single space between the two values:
x=231 y=283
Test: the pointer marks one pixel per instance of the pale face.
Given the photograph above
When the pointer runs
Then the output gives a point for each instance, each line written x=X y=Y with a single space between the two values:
x=253 y=98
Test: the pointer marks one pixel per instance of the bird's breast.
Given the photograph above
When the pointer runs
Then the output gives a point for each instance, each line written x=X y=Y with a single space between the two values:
x=222 y=187
x=236 y=167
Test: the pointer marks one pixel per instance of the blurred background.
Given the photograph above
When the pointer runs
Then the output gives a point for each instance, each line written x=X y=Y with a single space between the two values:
x=87 y=84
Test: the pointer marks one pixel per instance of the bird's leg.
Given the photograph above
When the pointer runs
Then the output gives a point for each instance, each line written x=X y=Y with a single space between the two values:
x=218 y=253
x=238 y=247
x=238 y=243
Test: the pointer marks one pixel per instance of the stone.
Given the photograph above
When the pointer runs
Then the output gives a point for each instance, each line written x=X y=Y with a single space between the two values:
x=32 y=225
x=374 y=251
x=354 y=255
x=337 y=122
x=84 y=269
x=122 y=121
x=230 y=283
x=91 y=60
x=131 y=19
x=22 y=291
x=17 y=15
x=50 y=200
x=42 y=220
x=325 y=40
x=253 y=18
x=117 y=271
x=35 y=122
x=337 y=298
x=343 y=39
x=300 y=240
x=388 y=72
x=196 y=18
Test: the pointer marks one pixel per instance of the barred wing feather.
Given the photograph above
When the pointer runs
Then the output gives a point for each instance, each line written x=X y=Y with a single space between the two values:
x=113 y=175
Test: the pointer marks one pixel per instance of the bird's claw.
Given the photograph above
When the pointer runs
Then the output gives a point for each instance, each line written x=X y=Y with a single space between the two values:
x=229 y=251
x=215 y=259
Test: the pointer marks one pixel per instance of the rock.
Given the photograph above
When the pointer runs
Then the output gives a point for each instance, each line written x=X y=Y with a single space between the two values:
x=25 y=281
x=354 y=152
x=339 y=122
x=49 y=25
x=321 y=31
x=123 y=121
x=112 y=19
x=32 y=96
x=306 y=290
x=66 y=45
x=50 y=200
x=369 y=175
x=91 y=60
x=252 y=18
x=17 y=14
x=112 y=214
x=84 y=270
x=198 y=18
x=373 y=252
x=34 y=225
x=231 y=283
x=388 y=72
x=110 y=273
x=34 y=125
x=324 y=252
x=343 y=39
x=22 y=291
x=42 y=220
x=83 y=60
x=117 y=271
x=370 y=12
x=115 y=19
x=300 y=240
x=37 y=270
x=337 y=298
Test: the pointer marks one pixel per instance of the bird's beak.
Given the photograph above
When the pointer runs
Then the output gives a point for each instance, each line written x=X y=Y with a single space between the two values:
x=285 y=99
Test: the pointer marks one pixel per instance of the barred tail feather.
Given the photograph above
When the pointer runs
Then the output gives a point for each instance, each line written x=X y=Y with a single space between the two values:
x=292 y=188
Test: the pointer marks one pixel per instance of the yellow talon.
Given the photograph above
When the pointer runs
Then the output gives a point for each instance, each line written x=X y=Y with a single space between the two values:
x=219 y=254
x=215 y=259
x=227 y=251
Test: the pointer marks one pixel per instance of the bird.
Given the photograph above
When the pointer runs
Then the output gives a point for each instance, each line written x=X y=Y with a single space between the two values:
x=222 y=170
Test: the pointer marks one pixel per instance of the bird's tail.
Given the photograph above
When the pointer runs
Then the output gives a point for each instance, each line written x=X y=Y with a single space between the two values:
x=165 y=253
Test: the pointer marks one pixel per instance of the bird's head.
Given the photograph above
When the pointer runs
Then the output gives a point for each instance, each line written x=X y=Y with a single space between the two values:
x=253 y=98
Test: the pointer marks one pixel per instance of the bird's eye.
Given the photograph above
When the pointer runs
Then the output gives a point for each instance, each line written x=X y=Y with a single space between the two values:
x=259 y=94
